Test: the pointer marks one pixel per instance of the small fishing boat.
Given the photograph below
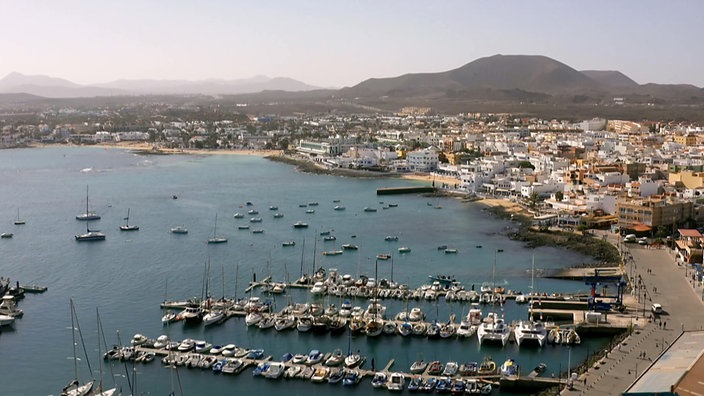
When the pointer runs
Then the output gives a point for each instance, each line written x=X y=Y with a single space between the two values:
x=288 y=243
x=450 y=251
x=349 y=246
x=369 y=209
x=333 y=253
x=383 y=256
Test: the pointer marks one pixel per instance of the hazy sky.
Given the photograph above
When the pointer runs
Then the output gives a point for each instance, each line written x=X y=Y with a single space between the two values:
x=335 y=43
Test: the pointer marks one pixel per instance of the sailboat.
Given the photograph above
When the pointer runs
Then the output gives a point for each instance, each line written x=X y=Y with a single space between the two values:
x=531 y=331
x=127 y=226
x=75 y=388
x=99 y=391
x=88 y=215
x=493 y=327
x=19 y=221
x=216 y=238
x=90 y=235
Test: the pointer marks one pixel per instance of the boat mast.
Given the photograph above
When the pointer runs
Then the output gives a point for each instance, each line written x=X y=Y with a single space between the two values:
x=303 y=249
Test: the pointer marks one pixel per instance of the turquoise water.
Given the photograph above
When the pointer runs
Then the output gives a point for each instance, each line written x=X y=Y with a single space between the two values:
x=129 y=274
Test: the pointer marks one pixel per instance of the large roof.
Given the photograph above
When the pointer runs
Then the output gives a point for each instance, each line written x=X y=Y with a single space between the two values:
x=679 y=365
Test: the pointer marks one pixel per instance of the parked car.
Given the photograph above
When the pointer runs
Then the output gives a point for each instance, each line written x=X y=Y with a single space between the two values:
x=656 y=308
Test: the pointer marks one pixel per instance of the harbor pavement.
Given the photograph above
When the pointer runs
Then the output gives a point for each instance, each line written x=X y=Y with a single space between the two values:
x=657 y=278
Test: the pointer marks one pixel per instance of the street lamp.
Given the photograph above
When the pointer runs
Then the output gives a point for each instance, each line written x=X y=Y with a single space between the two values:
x=644 y=294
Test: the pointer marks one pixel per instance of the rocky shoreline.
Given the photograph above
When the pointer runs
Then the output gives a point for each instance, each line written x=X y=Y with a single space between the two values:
x=604 y=253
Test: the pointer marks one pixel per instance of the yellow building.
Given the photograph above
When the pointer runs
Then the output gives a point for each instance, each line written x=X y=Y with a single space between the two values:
x=653 y=211
x=686 y=140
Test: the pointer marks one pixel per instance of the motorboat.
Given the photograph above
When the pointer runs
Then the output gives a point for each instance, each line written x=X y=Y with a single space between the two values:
x=429 y=384
x=374 y=327
x=261 y=369
x=404 y=249
x=292 y=371
x=379 y=380
x=338 y=207
x=336 y=358
x=161 y=341
x=288 y=243
x=192 y=314
x=318 y=288
x=275 y=371
x=239 y=215
x=169 y=317
x=9 y=307
x=351 y=378
x=391 y=238
x=6 y=320
x=203 y=346
x=493 y=329
x=450 y=369
x=416 y=383
x=383 y=256
x=369 y=209
x=396 y=382
x=465 y=329
x=278 y=215
x=254 y=354
x=320 y=374
x=354 y=360
x=458 y=387
x=447 y=330
x=8 y=235
x=138 y=339
x=509 y=368
x=186 y=345
x=180 y=229
x=300 y=224
x=405 y=329
x=444 y=385
x=419 y=366
x=435 y=367
x=486 y=367
x=336 y=375
x=530 y=332
x=416 y=314
x=305 y=323
x=252 y=212
x=349 y=246
x=314 y=357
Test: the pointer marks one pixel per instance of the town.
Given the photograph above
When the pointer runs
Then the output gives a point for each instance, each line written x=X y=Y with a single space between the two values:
x=636 y=177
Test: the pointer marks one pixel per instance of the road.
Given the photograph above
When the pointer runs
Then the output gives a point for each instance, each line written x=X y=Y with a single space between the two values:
x=663 y=281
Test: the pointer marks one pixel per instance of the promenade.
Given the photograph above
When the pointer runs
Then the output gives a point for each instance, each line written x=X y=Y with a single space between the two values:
x=663 y=281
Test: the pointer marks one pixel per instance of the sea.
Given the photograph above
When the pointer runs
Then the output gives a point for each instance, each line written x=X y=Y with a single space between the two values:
x=117 y=285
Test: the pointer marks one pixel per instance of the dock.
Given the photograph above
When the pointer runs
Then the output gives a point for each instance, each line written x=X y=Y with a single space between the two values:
x=183 y=356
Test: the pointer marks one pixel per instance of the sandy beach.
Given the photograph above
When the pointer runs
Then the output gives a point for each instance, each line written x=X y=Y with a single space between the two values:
x=148 y=148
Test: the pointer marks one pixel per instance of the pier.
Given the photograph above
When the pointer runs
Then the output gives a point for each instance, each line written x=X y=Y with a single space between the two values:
x=404 y=190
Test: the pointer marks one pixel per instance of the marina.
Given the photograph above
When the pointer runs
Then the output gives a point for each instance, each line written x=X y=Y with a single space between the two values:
x=129 y=274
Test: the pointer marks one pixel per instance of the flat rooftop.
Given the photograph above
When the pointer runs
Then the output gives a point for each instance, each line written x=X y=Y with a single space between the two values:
x=680 y=367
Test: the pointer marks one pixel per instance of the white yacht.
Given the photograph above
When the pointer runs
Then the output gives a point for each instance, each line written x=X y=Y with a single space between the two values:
x=493 y=329
x=318 y=288
x=532 y=332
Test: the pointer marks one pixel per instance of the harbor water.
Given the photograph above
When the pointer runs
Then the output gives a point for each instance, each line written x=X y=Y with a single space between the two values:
x=129 y=274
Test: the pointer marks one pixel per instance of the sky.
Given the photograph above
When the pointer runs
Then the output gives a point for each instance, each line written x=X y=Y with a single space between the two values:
x=337 y=43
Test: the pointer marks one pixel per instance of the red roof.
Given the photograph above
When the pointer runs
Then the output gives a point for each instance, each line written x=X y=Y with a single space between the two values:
x=689 y=233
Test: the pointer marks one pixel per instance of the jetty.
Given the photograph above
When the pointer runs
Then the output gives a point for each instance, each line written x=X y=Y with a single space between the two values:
x=404 y=190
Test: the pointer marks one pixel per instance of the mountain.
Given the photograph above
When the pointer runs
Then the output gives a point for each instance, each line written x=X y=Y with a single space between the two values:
x=210 y=87
x=499 y=72
x=610 y=78
x=51 y=87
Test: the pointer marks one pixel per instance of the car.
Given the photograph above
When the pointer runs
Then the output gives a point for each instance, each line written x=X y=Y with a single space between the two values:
x=656 y=308
x=629 y=238
x=643 y=241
